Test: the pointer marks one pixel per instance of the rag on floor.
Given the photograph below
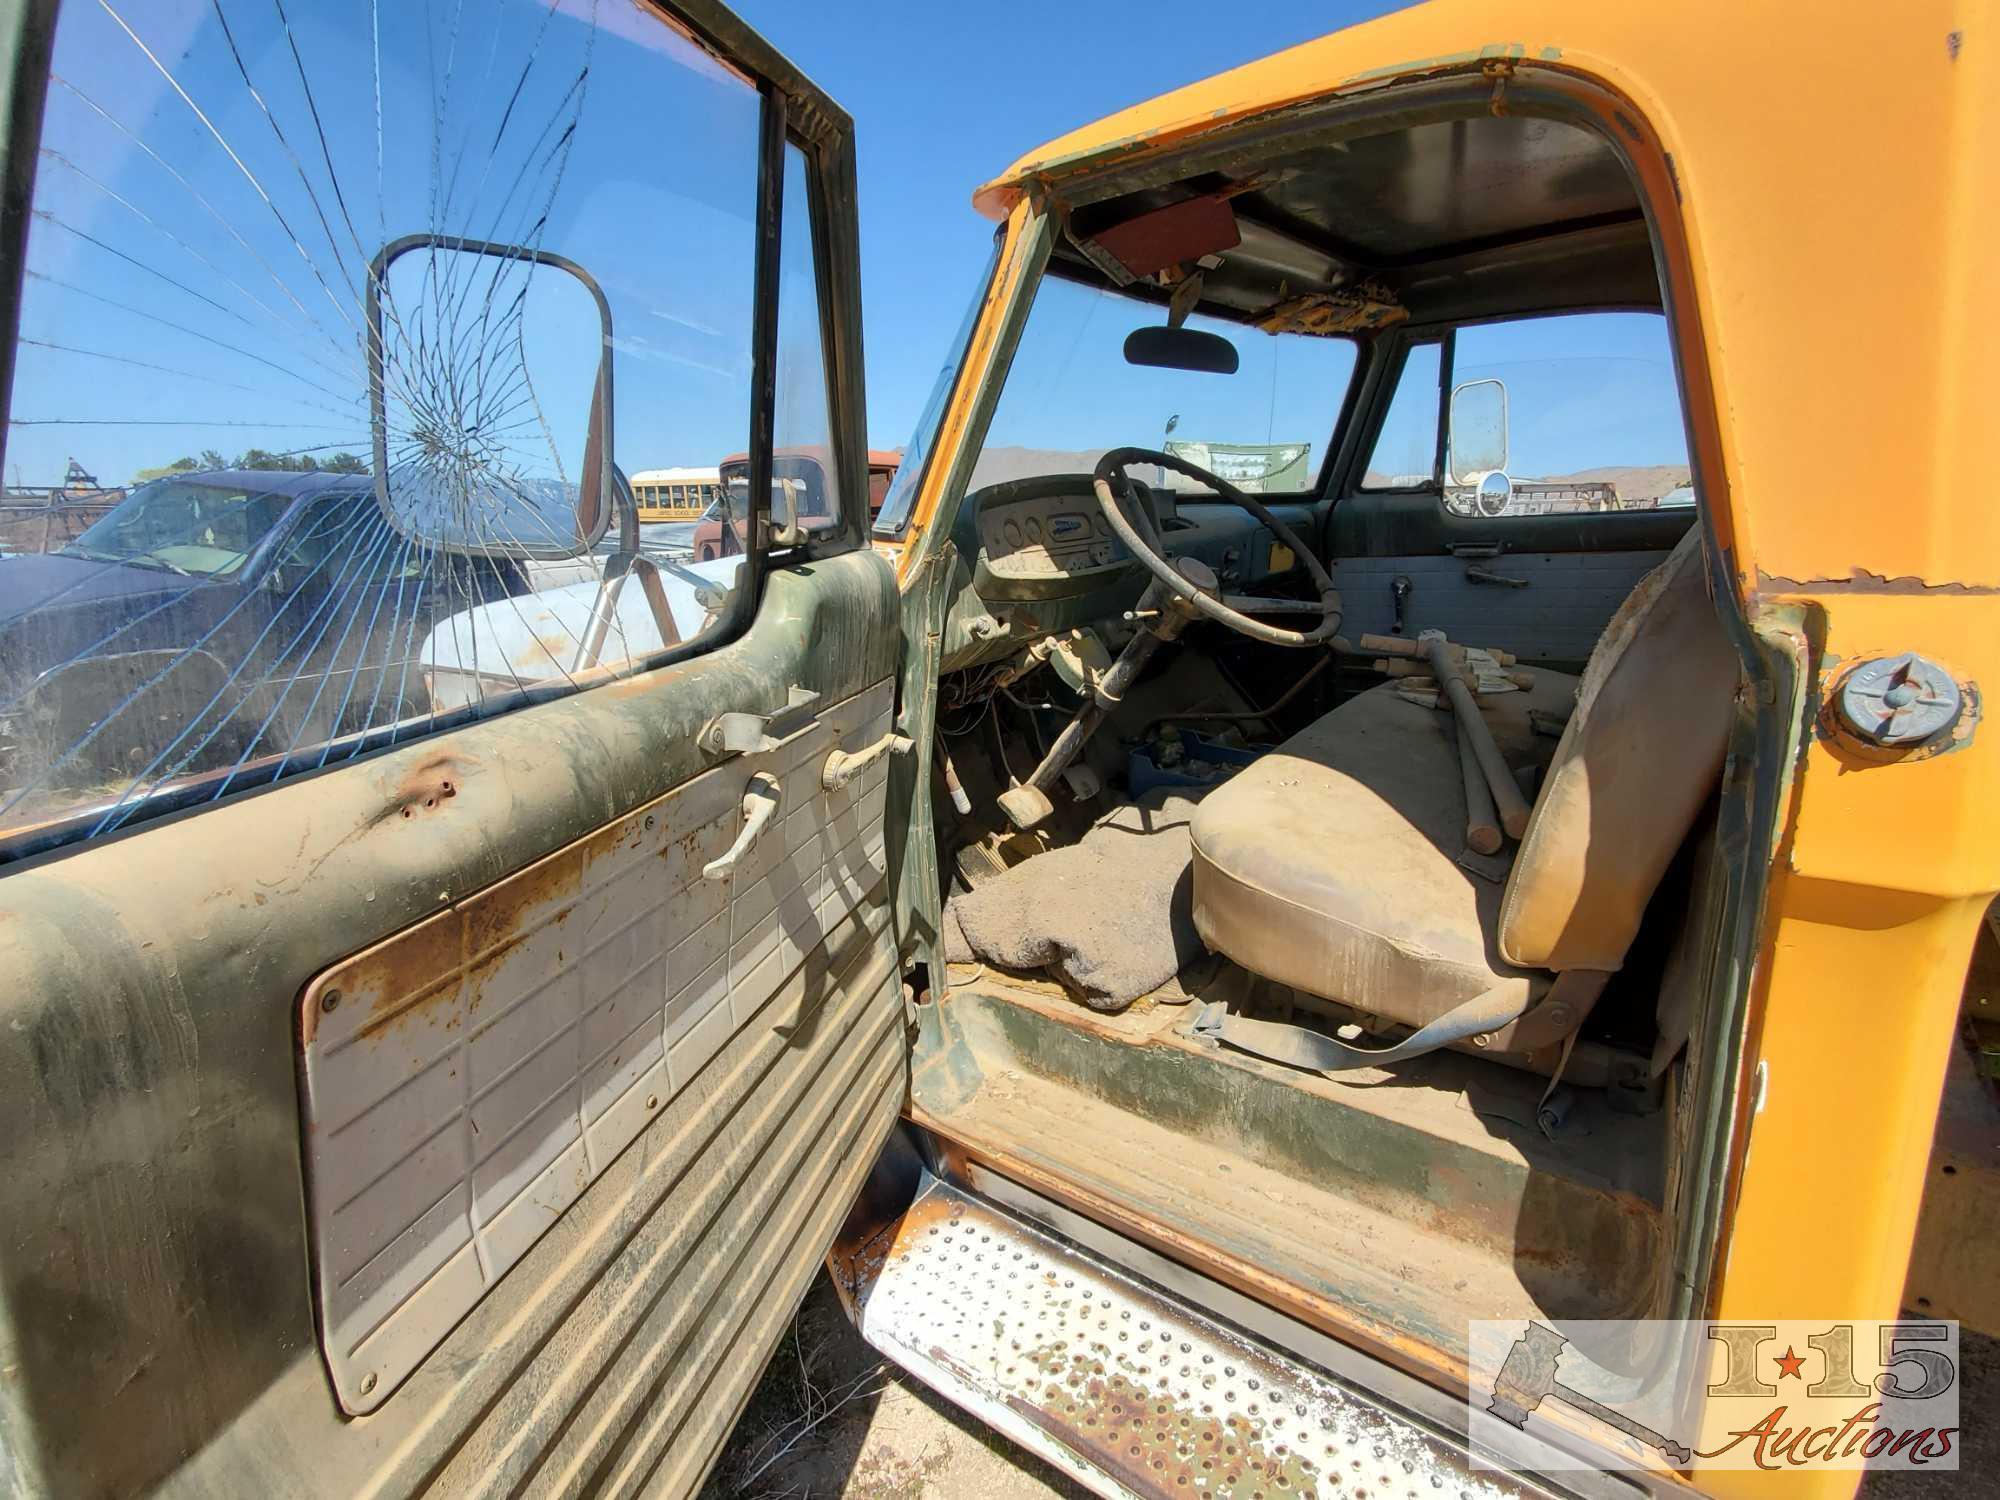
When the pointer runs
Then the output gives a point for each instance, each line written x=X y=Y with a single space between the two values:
x=1112 y=914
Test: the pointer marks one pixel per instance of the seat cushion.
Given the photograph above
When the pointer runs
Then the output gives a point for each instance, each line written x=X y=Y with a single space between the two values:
x=1331 y=863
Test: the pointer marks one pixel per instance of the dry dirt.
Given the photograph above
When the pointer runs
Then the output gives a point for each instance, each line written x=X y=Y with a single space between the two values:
x=832 y=1419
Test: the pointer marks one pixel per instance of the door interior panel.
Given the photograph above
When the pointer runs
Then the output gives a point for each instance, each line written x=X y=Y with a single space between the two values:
x=521 y=965
x=466 y=1080
x=1550 y=612
x=1541 y=586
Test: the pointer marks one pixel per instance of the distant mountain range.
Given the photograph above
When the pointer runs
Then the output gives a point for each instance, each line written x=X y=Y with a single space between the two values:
x=1635 y=483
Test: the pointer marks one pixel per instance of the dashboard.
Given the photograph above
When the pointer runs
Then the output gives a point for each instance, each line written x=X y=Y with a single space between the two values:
x=1042 y=558
x=1059 y=535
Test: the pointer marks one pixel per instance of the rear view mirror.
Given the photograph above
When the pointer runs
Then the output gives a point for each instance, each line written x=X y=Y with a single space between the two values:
x=1180 y=349
x=1478 y=430
x=489 y=397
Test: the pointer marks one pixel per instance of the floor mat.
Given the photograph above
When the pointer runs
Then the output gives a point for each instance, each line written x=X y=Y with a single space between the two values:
x=1112 y=915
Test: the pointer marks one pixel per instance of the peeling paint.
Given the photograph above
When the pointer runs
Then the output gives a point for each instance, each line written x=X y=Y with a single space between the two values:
x=1863 y=581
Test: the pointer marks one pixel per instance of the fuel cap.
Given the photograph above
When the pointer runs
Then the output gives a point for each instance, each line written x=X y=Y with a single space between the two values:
x=1899 y=702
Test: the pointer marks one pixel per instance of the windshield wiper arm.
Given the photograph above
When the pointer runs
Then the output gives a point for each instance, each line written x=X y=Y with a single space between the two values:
x=139 y=560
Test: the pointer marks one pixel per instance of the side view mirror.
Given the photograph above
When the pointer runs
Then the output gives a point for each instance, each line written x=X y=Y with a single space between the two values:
x=1495 y=493
x=1478 y=431
x=489 y=398
x=1180 y=349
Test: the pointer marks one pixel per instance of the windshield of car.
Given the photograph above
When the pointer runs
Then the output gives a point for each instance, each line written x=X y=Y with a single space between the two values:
x=184 y=526
x=1070 y=396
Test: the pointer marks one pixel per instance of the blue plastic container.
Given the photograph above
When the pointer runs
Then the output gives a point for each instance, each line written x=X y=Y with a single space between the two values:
x=1207 y=762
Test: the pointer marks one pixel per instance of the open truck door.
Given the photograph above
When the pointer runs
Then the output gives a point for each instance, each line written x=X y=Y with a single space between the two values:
x=431 y=1084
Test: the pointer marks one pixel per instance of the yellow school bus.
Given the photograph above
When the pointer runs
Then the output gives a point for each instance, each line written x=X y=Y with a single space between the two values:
x=674 y=494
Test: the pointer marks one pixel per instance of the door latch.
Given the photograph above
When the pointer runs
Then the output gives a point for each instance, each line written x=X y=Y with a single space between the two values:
x=842 y=766
x=760 y=806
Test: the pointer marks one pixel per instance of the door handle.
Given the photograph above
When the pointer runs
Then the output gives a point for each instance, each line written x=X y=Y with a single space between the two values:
x=760 y=806
x=844 y=765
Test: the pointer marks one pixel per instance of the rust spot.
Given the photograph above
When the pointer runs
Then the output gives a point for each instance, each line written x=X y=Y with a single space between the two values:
x=1861 y=581
x=424 y=787
x=546 y=651
x=503 y=914
x=386 y=1016
x=1161 y=1447
x=412 y=969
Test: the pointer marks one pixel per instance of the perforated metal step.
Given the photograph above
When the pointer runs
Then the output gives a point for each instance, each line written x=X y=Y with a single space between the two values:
x=1126 y=1389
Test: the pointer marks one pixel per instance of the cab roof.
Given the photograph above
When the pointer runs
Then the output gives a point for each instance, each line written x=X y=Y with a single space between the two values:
x=1424 y=38
x=1456 y=200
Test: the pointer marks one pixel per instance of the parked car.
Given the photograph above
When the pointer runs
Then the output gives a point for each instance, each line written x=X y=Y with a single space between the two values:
x=212 y=615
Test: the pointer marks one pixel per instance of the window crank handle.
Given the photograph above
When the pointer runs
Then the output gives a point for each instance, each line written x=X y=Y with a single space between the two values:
x=842 y=766
x=760 y=806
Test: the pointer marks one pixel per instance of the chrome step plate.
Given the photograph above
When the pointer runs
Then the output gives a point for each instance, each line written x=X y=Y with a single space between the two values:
x=1115 y=1383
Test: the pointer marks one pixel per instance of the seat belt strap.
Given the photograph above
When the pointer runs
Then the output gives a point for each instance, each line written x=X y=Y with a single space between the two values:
x=1296 y=1047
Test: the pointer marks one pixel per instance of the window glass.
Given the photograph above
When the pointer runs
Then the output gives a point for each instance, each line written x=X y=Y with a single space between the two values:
x=1593 y=413
x=249 y=306
x=805 y=469
x=1406 y=445
x=902 y=496
x=1070 y=396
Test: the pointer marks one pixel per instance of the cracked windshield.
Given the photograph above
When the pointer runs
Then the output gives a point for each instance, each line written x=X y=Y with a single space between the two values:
x=315 y=441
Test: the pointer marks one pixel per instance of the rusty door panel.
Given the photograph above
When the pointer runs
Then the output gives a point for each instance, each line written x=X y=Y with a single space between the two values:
x=156 y=1278
x=467 y=1079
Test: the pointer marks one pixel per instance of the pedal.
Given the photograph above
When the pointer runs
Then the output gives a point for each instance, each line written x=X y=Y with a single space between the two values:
x=979 y=863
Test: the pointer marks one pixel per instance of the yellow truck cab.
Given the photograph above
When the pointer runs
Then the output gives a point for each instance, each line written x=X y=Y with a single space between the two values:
x=1404 y=757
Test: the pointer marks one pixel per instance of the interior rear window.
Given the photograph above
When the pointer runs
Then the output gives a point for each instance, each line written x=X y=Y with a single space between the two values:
x=1593 y=412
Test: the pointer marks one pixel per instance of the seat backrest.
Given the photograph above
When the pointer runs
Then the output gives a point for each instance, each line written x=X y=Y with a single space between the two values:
x=1637 y=761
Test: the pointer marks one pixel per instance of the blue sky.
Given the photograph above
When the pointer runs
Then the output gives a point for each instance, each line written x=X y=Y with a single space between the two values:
x=946 y=96
x=194 y=275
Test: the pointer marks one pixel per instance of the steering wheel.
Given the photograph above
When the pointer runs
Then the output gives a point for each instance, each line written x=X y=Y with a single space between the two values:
x=1228 y=609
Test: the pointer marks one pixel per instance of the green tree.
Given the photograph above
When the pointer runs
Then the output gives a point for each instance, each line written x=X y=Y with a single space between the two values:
x=258 y=458
x=345 y=463
x=178 y=466
x=210 y=459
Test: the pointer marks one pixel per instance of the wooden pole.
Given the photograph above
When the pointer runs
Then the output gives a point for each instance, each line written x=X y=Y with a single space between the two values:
x=1513 y=807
